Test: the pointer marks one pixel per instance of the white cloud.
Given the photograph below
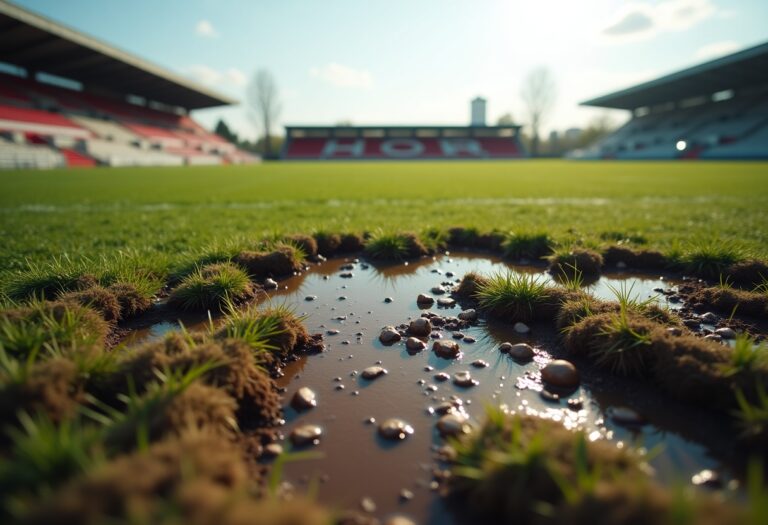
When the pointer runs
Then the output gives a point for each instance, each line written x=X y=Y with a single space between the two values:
x=716 y=49
x=641 y=20
x=209 y=76
x=343 y=76
x=205 y=29
x=236 y=77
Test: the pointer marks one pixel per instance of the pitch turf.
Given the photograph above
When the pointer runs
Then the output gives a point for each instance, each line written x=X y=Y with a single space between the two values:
x=175 y=212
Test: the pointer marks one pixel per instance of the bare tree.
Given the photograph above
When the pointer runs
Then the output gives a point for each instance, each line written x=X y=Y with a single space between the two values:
x=264 y=104
x=538 y=94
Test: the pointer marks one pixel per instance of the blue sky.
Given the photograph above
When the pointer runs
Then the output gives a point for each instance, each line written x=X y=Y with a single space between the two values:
x=416 y=61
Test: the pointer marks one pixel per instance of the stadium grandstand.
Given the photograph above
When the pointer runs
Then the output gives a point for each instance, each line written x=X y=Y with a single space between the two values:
x=402 y=142
x=715 y=110
x=67 y=99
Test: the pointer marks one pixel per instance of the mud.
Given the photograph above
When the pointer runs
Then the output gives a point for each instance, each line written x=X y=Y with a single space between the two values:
x=358 y=463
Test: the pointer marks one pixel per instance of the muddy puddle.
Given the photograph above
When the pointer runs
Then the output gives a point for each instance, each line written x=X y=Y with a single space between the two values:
x=356 y=463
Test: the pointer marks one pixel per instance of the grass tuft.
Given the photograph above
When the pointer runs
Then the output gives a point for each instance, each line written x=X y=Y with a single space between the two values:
x=384 y=246
x=284 y=260
x=328 y=243
x=469 y=285
x=513 y=296
x=273 y=330
x=527 y=245
x=44 y=453
x=752 y=415
x=97 y=297
x=433 y=240
x=160 y=410
x=44 y=281
x=626 y=347
x=212 y=287
x=618 y=341
x=519 y=469
x=576 y=262
x=630 y=301
x=747 y=356
x=462 y=237
x=710 y=258
x=44 y=327
x=305 y=243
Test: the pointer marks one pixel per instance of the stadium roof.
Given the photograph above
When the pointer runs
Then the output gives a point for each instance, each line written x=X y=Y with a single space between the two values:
x=740 y=70
x=37 y=43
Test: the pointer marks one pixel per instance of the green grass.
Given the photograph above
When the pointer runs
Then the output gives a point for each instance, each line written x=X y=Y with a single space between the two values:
x=629 y=300
x=254 y=326
x=273 y=329
x=527 y=245
x=520 y=469
x=164 y=216
x=44 y=454
x=626 y=349
x=45 y=327
x=752 y=416
x=711 y=256
x=387 y=247
x=511 y=295
x=212 y=286
x=129 y=426
x=747 y=356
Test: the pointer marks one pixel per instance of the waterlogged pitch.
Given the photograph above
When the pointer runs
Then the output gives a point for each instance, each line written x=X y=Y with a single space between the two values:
x=177 y=211
x=422 y=339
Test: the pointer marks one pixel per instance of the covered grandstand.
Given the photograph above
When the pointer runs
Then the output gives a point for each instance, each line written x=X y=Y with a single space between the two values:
x=67 y=99
x=715 y=110
x=401 y=142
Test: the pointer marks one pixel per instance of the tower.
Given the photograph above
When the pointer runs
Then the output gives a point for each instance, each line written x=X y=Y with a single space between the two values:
x=477 y=111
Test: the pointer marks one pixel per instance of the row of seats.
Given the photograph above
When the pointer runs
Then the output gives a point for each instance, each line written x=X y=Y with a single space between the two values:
x=106 y=129
x=727 y=129
x=13 y=155
x=87 y=128
x=117 y=154
x=753 y=146
x=401 y=148
x=26 y=91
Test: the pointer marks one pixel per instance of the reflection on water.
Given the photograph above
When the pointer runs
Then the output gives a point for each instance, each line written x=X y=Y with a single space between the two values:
x=355 y=464
x=151 y=333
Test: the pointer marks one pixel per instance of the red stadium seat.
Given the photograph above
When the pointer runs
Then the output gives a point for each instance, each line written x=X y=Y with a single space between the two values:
x=112 y=128
x=38 y=122
x=75 y=159
x=403 y=148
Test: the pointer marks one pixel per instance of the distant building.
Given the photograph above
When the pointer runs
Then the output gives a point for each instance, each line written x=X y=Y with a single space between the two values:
x=402 y=142
x=478 y=111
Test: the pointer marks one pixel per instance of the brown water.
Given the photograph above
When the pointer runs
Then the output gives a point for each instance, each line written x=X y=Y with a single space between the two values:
x=356 y=463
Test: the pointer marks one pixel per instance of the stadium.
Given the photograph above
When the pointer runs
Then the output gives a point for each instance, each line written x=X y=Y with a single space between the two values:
x=68 y=99
x=715 y=110
x=385 y=313
x=402 y=142
x=99 y=106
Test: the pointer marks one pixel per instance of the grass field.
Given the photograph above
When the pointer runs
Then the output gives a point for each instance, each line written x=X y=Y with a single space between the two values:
x=179 y=211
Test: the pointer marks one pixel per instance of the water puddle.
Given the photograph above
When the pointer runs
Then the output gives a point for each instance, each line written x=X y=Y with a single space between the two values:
x=356 y=463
